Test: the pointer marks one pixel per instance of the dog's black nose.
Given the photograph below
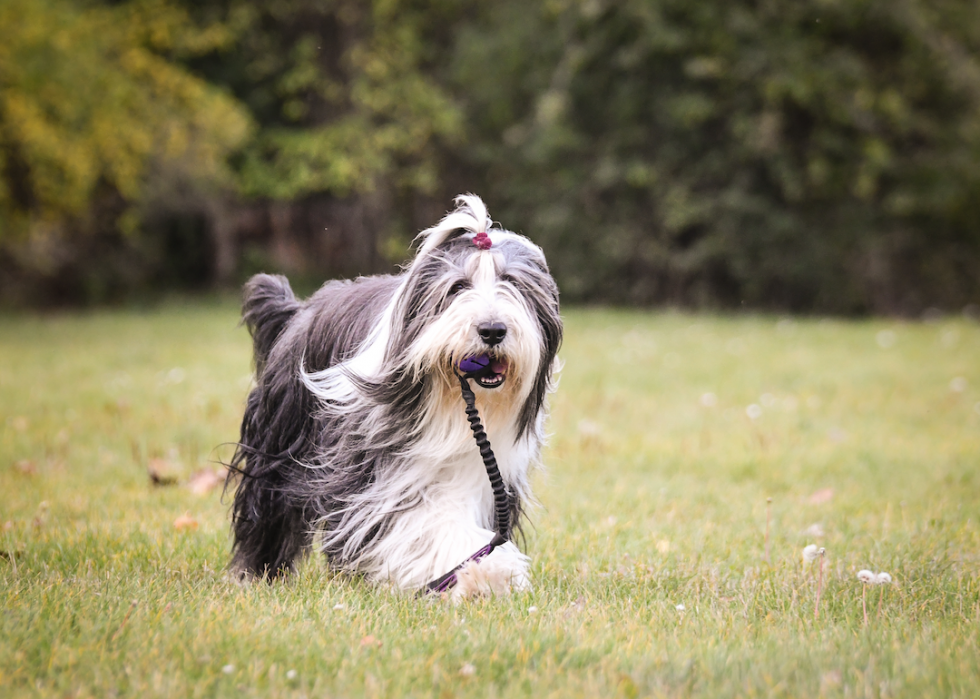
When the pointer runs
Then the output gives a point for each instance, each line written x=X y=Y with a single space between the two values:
x=492 y=333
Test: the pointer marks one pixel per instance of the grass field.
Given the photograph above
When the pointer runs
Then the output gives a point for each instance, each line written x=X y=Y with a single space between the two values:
x=669 y=431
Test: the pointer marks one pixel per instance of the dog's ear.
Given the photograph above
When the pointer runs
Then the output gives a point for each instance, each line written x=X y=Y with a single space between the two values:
x=469 y=217
x=268 y=304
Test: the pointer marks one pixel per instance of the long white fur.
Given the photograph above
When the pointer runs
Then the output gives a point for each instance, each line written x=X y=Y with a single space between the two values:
x=443 y=470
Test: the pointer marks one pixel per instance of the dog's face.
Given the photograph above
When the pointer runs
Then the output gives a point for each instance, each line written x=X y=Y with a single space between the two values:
x=494 y=308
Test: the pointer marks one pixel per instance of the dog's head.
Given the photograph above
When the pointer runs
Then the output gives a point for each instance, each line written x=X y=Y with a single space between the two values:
x=479 y=300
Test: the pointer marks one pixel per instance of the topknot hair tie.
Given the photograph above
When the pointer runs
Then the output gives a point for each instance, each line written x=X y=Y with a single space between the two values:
x=482 y=240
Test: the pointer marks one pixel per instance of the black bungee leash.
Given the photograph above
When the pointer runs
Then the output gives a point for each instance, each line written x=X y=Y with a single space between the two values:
x=474 y=367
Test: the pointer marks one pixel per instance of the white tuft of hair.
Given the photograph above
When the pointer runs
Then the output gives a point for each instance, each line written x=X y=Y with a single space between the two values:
x=470 y=214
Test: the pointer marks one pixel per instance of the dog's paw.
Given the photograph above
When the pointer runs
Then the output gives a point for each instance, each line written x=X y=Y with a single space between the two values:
x=494 y=575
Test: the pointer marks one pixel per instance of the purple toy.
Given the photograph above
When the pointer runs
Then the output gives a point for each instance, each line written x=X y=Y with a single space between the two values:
x=475 y=364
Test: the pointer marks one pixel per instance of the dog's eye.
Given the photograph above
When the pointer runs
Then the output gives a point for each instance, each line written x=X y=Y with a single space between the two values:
x=457 y=288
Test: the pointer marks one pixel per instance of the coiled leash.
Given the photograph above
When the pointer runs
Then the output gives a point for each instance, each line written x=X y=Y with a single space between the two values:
x=474 y=367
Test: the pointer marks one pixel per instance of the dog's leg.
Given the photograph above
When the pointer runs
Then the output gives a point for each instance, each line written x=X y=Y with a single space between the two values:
x=269 y=534
x=503 y=571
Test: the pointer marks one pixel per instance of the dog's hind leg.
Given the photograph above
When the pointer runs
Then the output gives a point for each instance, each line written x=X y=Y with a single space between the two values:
x=270 y=533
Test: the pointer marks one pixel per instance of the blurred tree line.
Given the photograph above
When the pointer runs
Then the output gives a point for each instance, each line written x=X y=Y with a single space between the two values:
x=800 y=155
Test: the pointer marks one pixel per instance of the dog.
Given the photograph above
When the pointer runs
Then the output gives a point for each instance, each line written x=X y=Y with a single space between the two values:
x=355 y=442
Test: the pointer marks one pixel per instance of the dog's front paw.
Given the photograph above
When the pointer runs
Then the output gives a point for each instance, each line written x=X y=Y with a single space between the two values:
x=497 y=574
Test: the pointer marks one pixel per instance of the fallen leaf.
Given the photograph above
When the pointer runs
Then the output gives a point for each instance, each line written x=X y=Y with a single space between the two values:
x=161 y=472
x=203 y=482
x=185 y=521
x=821 y=496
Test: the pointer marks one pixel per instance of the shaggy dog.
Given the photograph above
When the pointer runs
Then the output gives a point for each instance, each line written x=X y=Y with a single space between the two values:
x=355 y=441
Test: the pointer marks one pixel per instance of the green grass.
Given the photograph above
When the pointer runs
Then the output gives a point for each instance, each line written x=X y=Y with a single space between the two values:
x=651 y=500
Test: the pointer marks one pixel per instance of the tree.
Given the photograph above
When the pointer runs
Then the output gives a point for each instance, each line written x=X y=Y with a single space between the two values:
x=797 y=155
x=92 y=99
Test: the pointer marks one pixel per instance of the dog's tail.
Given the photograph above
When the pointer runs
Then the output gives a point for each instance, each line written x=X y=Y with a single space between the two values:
x=267 y=305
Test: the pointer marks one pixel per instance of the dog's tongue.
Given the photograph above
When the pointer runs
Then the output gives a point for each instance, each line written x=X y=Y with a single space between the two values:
x=481 y=363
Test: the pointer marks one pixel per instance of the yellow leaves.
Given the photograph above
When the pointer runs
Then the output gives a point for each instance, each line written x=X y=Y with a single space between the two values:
x=85 y=98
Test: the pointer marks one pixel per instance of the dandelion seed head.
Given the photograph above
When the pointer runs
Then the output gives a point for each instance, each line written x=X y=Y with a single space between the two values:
x=815 y=529
x=810 y=553
x=958 y=384
x=754 y=411
x=291 y=675
x=867 y=577
x=886 y=339
x=228 y=669
x=709 y=400
x=883 y=578
x=680 y=607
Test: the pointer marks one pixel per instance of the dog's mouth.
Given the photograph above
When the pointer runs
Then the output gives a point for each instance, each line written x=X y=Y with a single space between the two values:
x=488 y=371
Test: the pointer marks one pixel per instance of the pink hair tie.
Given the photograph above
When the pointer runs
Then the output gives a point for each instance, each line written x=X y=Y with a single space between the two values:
x=482 y=240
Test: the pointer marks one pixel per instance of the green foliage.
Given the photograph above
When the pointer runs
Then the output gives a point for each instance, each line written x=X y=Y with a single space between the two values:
x=808 y=156
x=343 y=97
x=654 y=497
x=803 y=155
x=91 y=96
